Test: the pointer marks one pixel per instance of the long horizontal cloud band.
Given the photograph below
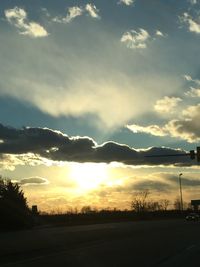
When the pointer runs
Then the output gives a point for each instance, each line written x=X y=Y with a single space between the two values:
x=57 y=146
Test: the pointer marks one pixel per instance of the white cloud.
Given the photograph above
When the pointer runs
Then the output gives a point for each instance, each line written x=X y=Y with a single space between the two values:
x=138 y=39
x=10 y=161
x=192 y=111
x=76 y=11
x=134 y=39
x=151 y=129
x=92 y=10
x=126 y=2
x=167 y=104
x=193 y=92
x=185 y=128
x=18 y=18
x=193 y=26
x=188 y=77
x=188 y=127
x=34 y=30
x=159 y=33
x=73 y=12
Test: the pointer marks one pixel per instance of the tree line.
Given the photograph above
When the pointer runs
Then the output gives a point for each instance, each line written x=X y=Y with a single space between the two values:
x=15 y=213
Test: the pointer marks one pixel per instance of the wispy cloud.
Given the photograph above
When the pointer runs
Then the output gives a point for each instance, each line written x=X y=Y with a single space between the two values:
x=45 y=11
x=134 y=39
x=187 y=77
x=76 y=11
x=126 y=2
x=192 y=23
x=151 y=129
x=193 y=92
x=18 y=17
x=138 y=39
x=190 y=79
x=159 y=33
x=33 y=181
x=73 y=12
x=192 y=2
x=167 y=104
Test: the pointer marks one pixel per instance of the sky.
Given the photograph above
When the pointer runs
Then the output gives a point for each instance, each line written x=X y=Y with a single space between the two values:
x=89 y=89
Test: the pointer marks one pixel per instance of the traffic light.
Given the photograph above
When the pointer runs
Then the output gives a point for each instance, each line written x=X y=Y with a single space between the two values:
x=192 y=154
x=198 y=154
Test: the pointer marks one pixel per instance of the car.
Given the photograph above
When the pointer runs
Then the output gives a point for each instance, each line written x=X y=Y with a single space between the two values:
x=192 y=217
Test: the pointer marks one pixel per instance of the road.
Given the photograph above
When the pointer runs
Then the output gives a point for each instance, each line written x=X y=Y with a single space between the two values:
x=143 y=244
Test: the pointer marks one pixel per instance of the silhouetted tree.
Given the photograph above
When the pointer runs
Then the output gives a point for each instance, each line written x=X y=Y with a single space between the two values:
x=87 y=209
x=164 y=203
x=139 y=202
x=153 y=206
x=177 y=204
x=142 y=203
x=14 y=211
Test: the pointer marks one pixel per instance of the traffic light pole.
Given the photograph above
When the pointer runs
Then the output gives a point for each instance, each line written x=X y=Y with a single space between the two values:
x=192 y=155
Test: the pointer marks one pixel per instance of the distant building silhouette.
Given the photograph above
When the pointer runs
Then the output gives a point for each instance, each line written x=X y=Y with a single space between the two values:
x=195 y=203
x=34 y=210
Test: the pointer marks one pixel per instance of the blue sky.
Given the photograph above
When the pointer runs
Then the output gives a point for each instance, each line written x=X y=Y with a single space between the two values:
x=119 y=70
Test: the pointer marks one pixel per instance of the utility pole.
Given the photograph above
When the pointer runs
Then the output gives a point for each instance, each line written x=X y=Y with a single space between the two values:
x=180 y=187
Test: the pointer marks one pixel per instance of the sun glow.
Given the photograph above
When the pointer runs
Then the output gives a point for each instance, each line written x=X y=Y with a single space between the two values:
x=88 y=176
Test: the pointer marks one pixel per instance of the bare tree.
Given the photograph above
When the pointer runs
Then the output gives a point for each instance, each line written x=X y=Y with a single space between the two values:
x=87 y=209
x=140 y=201
x=177 y=204
x=153 y=205
x=164 y=203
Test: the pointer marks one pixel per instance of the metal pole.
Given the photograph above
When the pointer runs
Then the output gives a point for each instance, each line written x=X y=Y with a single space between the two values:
x=181 y=195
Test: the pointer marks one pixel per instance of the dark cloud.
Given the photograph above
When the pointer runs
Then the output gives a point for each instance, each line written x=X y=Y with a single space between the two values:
x=190 y=182
x=29 y=139
x=186 y=182
x=57 y=146
x=136 y=186
x=152 y=185
x=33 y=181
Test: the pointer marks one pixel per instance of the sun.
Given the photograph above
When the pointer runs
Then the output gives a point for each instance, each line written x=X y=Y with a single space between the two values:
x=88 y=176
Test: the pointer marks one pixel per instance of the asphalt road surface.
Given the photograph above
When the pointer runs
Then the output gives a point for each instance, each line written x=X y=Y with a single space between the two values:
x=149 y=243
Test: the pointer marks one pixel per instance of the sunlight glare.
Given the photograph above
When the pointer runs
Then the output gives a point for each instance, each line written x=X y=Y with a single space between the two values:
x=88 y=176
